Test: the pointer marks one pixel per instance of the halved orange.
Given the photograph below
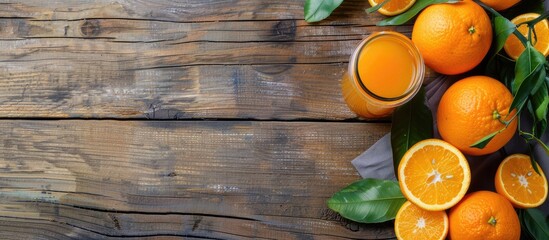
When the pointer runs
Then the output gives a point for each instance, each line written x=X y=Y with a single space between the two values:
x=413 y=222
x=513 y=47
x=518 y=182
x=393 y=7
x=434 y=175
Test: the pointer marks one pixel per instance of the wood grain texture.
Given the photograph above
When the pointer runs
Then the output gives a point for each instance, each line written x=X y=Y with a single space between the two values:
x=204 y=179
x=176 y=59
x=192 y=60
x=178 y=10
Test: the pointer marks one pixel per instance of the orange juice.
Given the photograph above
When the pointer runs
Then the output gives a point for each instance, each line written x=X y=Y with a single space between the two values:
x=385 y=71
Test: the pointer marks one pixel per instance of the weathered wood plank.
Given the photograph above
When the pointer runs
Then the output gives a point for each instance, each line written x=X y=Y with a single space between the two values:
x=259 y=91
x=150 y=31
x=176 y=59
x=228 y=180
x=178 y=11
x=121 y=68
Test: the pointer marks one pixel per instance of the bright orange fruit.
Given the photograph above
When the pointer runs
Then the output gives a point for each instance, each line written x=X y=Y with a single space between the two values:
x=434 y=175
x=412 y=222
x=519 y=183
x=453 y=38
x=513 y=47
x=484 y=215
x=473 y=108
x=393 y=7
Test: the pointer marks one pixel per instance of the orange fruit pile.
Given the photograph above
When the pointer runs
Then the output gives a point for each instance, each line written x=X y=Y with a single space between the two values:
x=513 y=47
x=517 y=180
x=473 y=108
x=453 y=38
x=484 y=215
x=393 y=7
x=434 y=175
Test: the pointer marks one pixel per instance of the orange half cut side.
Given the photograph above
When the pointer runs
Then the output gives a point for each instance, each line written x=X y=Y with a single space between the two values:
x=517 y=180
x=393 y=7
x=434 y=175
x=412 y=222
x=513 y=47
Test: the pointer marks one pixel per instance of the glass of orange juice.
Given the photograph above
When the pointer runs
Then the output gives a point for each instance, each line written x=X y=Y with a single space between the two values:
x=385 y=71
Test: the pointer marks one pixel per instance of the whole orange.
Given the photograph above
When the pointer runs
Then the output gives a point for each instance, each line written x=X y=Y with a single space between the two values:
x=473 y=108
x=453 y=38
x=500 y=4
x=484 y=215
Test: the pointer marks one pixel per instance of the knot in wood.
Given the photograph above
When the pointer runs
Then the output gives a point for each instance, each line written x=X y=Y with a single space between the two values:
x=90 y=28
x=284 y=30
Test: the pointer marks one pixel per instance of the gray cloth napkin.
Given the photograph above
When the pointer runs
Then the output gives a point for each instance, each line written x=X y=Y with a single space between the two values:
x=377 y=161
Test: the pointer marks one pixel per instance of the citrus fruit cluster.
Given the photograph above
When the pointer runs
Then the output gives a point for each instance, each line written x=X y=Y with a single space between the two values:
x=455 y=37
x=434 y=176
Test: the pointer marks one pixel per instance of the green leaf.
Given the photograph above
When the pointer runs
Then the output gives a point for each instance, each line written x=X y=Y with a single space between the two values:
x=522 y=94
x=524 y=91
x=412 y=122
x=527 y=63
x=540 y=103
x=317 y=10
x=485 y=140
x=533 y=160
x=502 y=29
x=377 y=7
x=540 y=128
x=535 y=223
x=410 y=13
x=368 y=201
x=529 y=76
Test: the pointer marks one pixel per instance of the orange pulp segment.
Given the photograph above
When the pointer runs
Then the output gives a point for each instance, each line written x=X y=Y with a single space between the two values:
x=434 y=175
x=412 y=222
x=517 y=180
x=393 y=7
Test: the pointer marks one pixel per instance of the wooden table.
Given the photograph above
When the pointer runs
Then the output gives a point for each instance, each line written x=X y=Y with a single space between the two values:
x=195 y=119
